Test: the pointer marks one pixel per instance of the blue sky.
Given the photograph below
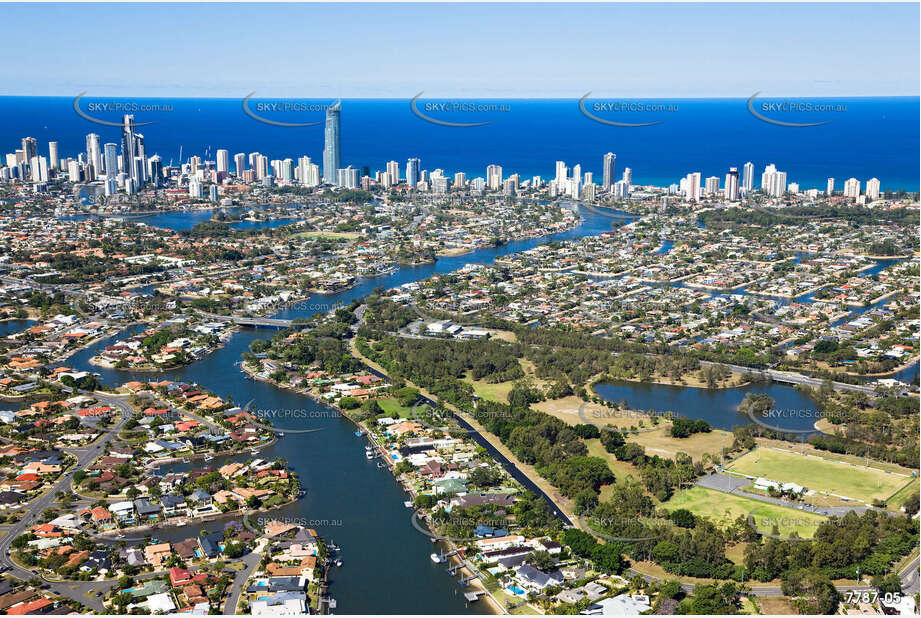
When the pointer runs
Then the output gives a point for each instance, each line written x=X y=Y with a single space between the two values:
x=451 y=50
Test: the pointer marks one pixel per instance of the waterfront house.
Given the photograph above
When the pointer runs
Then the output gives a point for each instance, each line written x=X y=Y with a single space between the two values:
x=173 y=505
x=146 y=510
x=157 y=554
x=621 y=605
x=535 y=580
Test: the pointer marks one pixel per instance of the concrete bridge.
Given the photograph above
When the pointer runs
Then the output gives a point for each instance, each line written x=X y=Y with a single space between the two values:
x=253 y=322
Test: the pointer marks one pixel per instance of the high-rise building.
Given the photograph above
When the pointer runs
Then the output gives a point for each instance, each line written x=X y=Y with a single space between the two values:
x=39 y=168
x=73 y=171
x=494 y=177
x=29 y=152
x=348 y=177
x=691 y=186
x=53 y=155
x=607 y=170
x=212 y=193
x=413 y=172
x=460 y=180
x=628 y=176
x=393 y=168
x=129 y=145
x=111 y=160
x=830 y=187
x=239 y=164
x=562 y=173
x=155 y=170
x=139 y=171
x=712 y=185
x=872 y=189
x=440 y=184
x=195 y=188
x=94 y=152
x=748 y=177
x=223 y=160
x=852 y=188
x=331 y=151
x=773 y=182
x=731 y=186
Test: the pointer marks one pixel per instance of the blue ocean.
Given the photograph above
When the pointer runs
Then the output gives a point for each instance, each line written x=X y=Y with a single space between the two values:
x=860 y=137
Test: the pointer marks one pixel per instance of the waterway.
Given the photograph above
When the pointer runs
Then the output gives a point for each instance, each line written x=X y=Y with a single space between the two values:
x=348 y=499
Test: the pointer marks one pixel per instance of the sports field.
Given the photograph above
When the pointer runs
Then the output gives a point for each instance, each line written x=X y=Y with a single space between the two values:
x=819 y=474
x=723 y=509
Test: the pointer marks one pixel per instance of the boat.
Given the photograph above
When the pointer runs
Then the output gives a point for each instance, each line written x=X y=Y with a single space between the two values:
x=281 y=434
x=369 y=454
x=381 y=464
x=254 y=452
x=338 y=563
x=437 y=559
x=358 y=434
x=408 y=504
x=209 y=457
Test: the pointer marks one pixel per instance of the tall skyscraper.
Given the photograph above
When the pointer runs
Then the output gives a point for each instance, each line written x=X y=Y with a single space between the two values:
x=331 y=150
x=348 y=177
x=39 y=168
x=29 y=151
x=607 y=170
x=691 y=186
x=393 y=168
x=94 y=152
x=852 y=188
x=628 y=176
x=773 y=182
x=223 y=160
x=413 y=172
x=129 y=145
x=872 y=189
x=731 y=187
x=239 y=164
x=494 y=177
x=830 y=187
x=53 y=158
x=712 y=185
x=111 y=161
x=561 y=172
x=155 y=170
x=748 y=177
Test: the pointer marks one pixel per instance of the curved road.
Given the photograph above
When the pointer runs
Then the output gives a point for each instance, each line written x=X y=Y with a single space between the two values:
x=82 y=592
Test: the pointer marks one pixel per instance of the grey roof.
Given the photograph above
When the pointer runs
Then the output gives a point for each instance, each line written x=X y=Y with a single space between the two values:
x=144 y=507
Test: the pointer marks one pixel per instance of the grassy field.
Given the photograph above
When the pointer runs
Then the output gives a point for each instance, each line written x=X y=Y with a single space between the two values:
x=819 y=474
x=493 y=392
x=393 y=408
x=723 y=509
x=659 y=442
x=775 y=606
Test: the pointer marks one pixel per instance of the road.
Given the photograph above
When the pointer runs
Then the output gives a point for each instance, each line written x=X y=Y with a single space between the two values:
x=790 y=377
x=82 y=592
x=251 y=560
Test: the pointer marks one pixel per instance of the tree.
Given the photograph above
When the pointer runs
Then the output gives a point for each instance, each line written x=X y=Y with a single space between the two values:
x=814 y=591
x=540 y=560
